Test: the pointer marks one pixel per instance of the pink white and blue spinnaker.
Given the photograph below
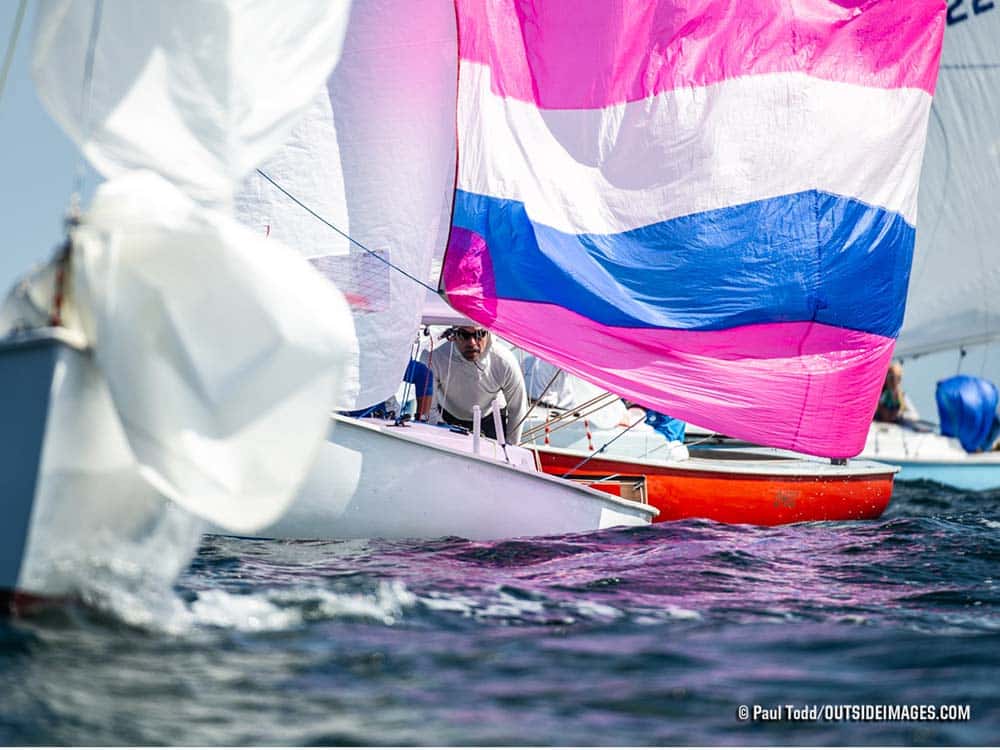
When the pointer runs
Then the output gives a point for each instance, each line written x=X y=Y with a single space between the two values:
x=707 y=207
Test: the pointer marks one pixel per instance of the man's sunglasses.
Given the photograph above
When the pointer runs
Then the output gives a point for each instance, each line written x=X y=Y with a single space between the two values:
x=479 y=334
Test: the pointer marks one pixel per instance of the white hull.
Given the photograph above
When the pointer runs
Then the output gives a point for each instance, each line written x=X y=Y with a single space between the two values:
x=77 y=514
x=931 y=456
x=419 y=481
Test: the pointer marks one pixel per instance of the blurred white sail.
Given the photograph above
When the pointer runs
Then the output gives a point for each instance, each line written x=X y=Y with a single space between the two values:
x=200 y=91
x=223 y=353
x=223 y=382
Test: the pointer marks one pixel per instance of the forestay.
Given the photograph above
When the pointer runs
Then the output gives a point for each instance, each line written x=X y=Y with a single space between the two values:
x=708 y=208
x=954 y=297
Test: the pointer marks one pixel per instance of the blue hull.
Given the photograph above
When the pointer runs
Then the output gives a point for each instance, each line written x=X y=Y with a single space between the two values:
x=27 y=365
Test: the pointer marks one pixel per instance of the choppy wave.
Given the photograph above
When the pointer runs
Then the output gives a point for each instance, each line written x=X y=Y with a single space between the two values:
x=644 y=636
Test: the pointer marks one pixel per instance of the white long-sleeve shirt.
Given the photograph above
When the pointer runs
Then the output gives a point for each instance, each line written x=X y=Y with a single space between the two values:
x=459 y=384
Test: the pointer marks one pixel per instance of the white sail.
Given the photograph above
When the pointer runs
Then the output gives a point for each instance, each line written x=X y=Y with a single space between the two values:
x=222 y=379
x=200 y=91
x=375 y=156
x=954 y=292
x=223 y=353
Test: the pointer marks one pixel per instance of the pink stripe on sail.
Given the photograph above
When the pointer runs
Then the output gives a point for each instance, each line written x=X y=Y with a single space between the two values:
x=567 y=54
x=804 y=386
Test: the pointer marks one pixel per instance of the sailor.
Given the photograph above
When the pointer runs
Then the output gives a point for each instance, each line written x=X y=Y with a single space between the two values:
x=893 y=405
x=471 y=369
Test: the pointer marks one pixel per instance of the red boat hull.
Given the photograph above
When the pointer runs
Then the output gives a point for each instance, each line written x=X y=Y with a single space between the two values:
x=689 y=490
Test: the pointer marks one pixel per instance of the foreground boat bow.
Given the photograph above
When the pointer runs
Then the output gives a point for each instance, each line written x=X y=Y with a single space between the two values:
x=423 y=481
x=76 y=509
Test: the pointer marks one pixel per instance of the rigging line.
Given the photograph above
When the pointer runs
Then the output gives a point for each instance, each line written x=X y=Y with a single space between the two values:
x=11 y=45
x=555 y=425
x=720 y=439
x=599 y=401
x=713 y=436
x=571 y=416
x=566 y=419
x=441 y=389
x=532 y=405
x=414 y=350
x=86 y=92
x=601 y=449
x=558 y=422
x=344 y=234
x=430 y=365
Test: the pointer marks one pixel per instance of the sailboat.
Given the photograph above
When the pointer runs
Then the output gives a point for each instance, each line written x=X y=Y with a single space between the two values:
x=363 y=188
x=168 y=369
x=735 y=484
x=579 y=431
x=954 y=295
x=709 y=214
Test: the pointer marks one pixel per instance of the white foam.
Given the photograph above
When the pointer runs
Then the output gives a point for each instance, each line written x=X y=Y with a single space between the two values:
x=663 y=614
x=386 y=605
x=598 y=611
x=251 y=613
x=441 y=603
x=284 y=609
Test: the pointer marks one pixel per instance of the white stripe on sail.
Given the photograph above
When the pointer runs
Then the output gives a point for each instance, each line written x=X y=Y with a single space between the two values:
x=690 y=150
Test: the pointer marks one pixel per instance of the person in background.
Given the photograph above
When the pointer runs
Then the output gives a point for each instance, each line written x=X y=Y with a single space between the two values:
x=893 y=405
x=470 y=369
x=671 y=428
x=419 y=375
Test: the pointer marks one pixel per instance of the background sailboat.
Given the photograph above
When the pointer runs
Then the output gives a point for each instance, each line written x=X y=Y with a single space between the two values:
x=196 y=370
x=954 y=294
x=731 y=484
x=583 y=432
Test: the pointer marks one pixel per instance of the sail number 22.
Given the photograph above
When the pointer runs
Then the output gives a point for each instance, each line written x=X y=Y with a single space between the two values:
x=956 y=14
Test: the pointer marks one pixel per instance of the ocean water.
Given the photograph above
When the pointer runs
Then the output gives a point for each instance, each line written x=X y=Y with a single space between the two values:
x=651 y=636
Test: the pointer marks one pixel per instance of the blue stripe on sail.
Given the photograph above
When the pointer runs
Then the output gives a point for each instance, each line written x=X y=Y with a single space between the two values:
x=805 y=256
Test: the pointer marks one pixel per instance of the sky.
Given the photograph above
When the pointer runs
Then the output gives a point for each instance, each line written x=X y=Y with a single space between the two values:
x=38 y=163
x=39 y=166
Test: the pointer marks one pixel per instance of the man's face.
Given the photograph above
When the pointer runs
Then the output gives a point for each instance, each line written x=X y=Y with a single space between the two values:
x=470 y=341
